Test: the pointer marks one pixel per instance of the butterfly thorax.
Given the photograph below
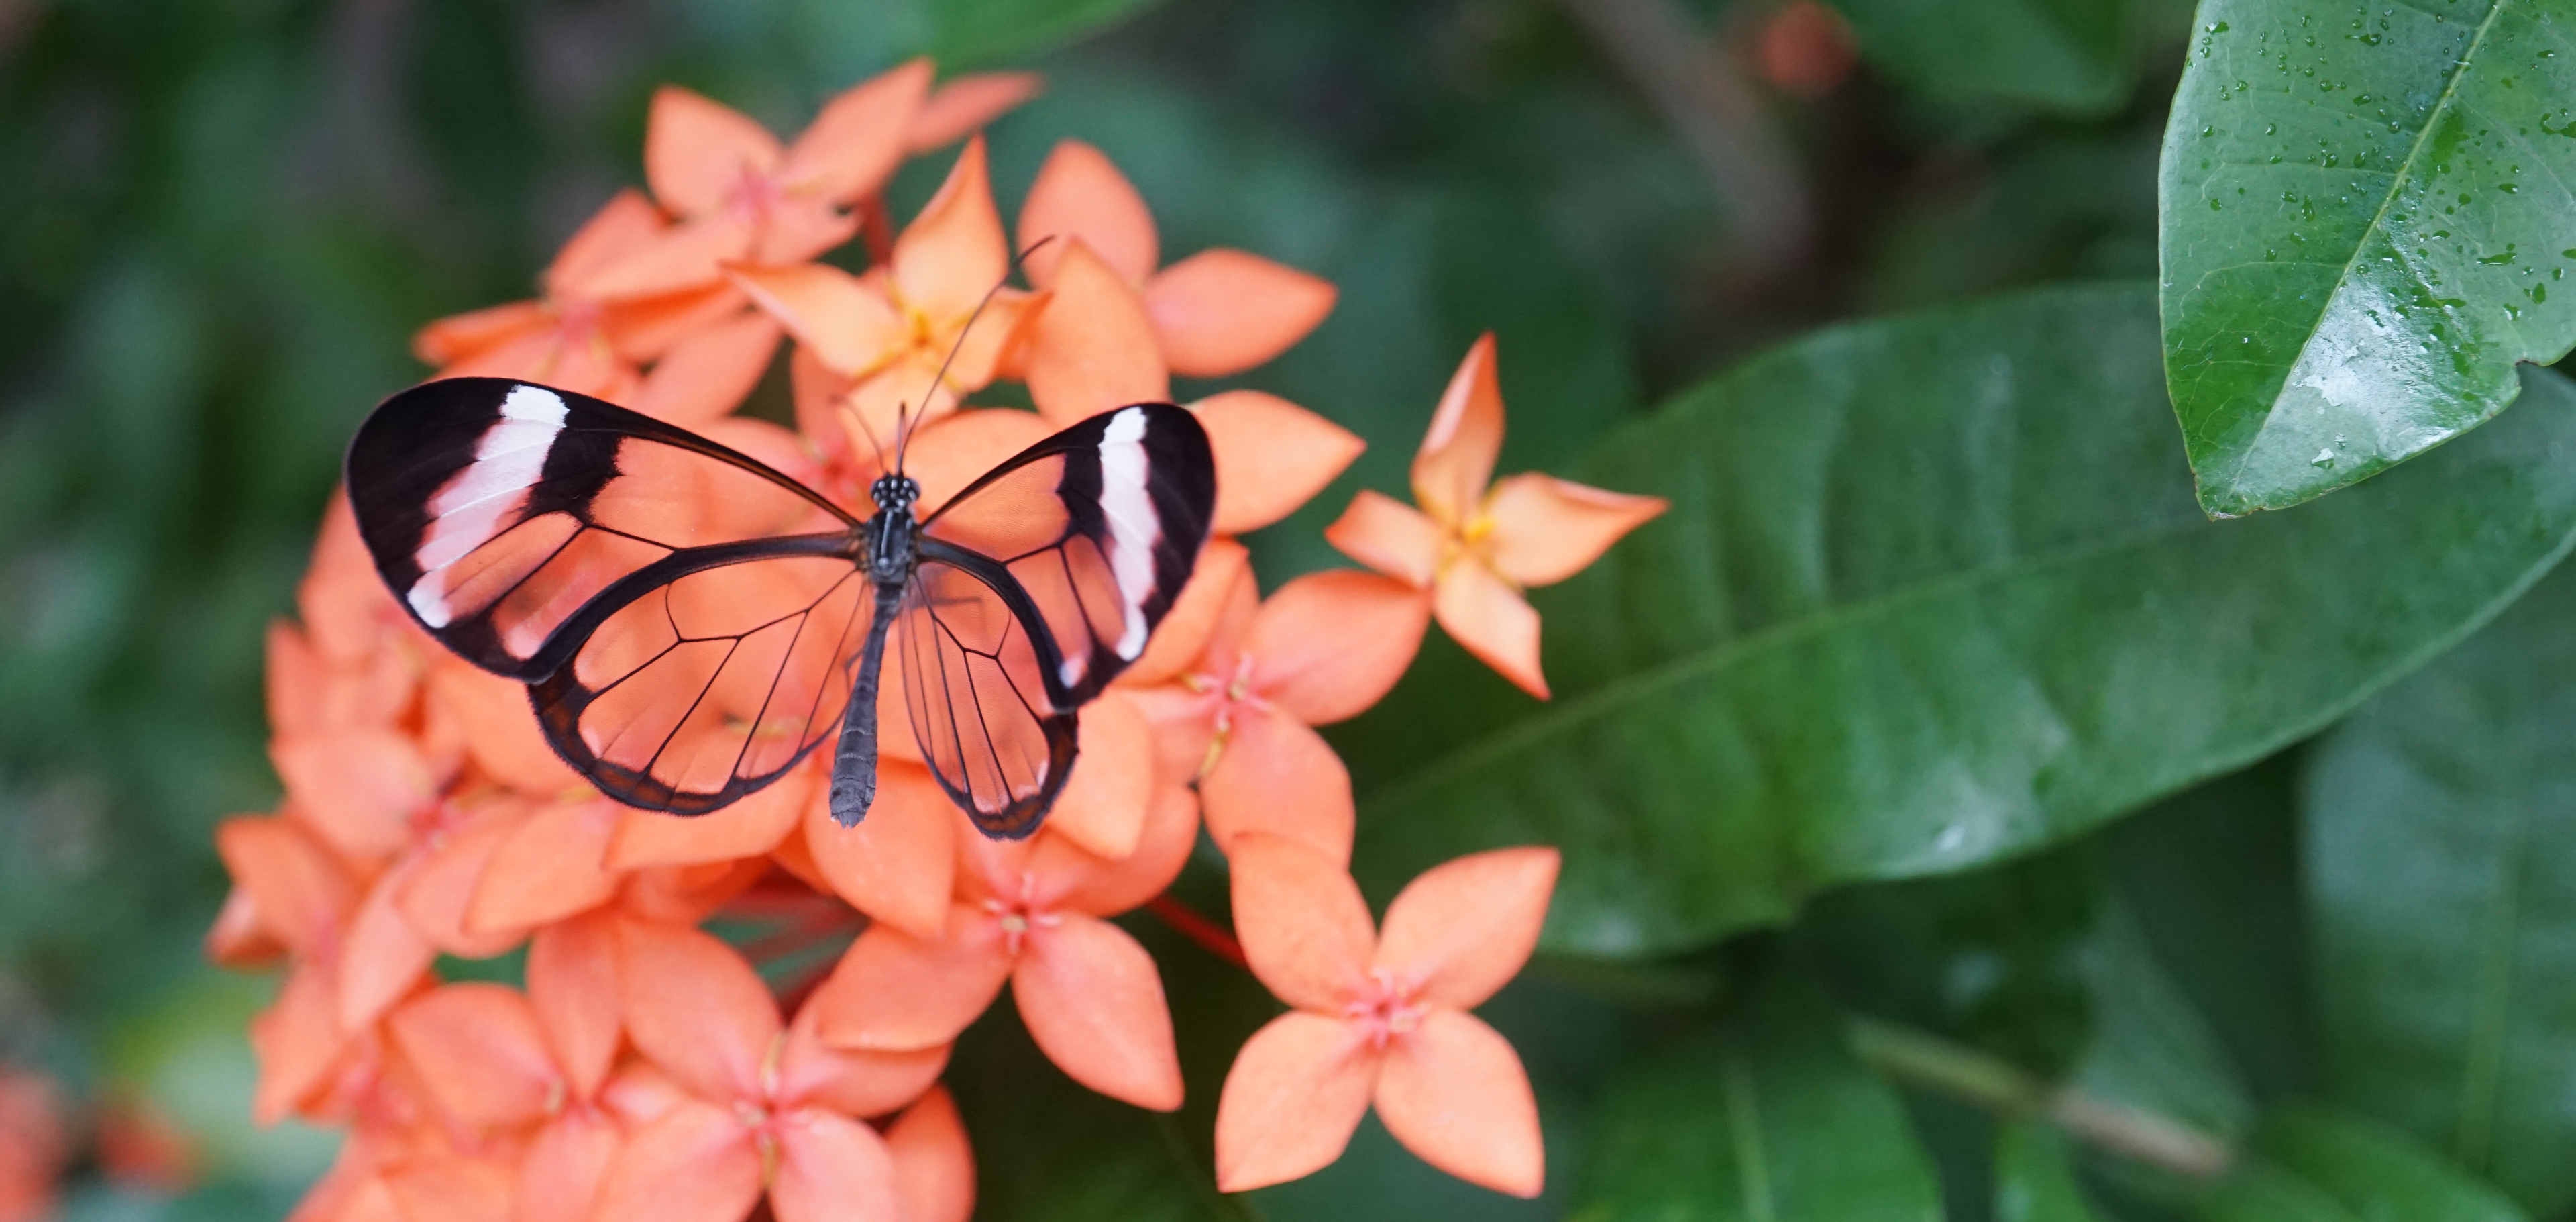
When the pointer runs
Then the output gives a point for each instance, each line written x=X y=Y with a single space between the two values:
x=892 y=536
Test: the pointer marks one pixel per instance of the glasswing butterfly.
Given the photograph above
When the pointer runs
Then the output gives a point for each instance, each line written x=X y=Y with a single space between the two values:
x=691 y=622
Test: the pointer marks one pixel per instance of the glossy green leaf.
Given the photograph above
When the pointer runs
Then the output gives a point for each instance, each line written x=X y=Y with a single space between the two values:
x=2441 y=863
x=2313 y=1165
x=2035 y=1178
x=1932 y=591
x=2069 y=55
x=2368 y=210
x=1766 y=1118
x=970 y=33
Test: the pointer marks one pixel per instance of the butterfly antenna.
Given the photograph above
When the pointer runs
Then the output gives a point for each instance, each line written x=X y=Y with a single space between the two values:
x=902 y=434
x=851 y=421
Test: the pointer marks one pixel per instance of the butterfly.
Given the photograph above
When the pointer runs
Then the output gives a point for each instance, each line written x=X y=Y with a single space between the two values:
x=692 y=622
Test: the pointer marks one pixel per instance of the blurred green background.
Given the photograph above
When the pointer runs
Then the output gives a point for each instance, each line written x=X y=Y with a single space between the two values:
x=220 y=221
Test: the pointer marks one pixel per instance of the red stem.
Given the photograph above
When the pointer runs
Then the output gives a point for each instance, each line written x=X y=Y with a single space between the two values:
x=1216 y=939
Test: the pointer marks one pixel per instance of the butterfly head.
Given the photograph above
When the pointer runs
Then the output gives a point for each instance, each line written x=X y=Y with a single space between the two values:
x=892 y=492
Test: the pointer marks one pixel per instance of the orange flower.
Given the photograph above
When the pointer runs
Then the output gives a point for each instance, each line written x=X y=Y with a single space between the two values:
x=1382 y=1017
x=34 y=1145
x=962 y=105
x=498 y=1065
x=885 y=335
x=1319 y=650
x=745 y=1105
x=1091 y=348
x=1215 y=313
x=1477 y=547
x=1029 y=913
x=707 y=351
x=740 y=196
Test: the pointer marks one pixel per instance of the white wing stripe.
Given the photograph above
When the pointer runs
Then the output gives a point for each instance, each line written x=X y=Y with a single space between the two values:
x=1134 y=528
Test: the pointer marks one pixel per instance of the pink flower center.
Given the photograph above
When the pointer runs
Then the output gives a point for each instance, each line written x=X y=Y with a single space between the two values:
x=1224 y=694
x=1017 y=918
x=1384 y=1009
x=754 y=195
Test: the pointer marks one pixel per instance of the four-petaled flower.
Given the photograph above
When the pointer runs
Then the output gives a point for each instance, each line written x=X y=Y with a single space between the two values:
x=1382 y=1018
x=1477 y=547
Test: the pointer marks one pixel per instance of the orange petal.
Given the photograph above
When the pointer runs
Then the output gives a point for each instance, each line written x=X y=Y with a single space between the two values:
x=1078 y=194
x=854 y=1081
x=844 y=320
x=455 y=1188
x=458 y=336
x=552 y=866
x=1331 y=644
x=1453 y=1091
x=697 y=151
x=934 y=1166
x=573 y=986
x=748 y=828
x=1094 y=1003
x=239 y=937
x=500 y=728
x=297 y=1040
x=381 y=955
x=1103 y=804
x=1185 y=631
x=695 y=1008
x=857 y=140
x=687 y=256
x=1275 y=775
x=1221 y=312
x=1547 y=529
x=1094 y=349
x=1462 y=930
x=1457 y=456
x=686 y=895
x=694 y=1164
x=709 y=374
x=898 y=864
x=440 y=893
x=357 y=787
x=1390 y=536
x=894 y=991
x=801 y=227
x=1492 y=620
x=621 y=226
x=952 y=254
x=965 y=104
x=560 y=1176
x=955 y=450
x=1304 y=927
x=1271 y=456
x=1294 y=1097
x=302 y=892
x=479 y=1052
x=1107 y=888
x=644 y=328
x=831 y=1167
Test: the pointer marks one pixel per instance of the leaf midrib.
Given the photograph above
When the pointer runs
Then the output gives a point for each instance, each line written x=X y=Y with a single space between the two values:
x=2378 y=220
x=1636 y=685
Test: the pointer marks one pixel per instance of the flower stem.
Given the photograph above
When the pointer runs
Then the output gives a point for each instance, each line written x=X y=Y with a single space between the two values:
x=1920 y=1059
x=1216 y=939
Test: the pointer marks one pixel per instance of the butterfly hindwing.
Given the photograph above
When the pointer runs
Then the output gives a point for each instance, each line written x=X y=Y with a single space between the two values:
x=1039 y=583
x=496 y=509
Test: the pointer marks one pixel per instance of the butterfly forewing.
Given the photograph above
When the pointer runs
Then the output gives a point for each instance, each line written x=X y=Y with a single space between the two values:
x=1101 y=525
x=1039 y=583
x=709 y=686
x=497 y=509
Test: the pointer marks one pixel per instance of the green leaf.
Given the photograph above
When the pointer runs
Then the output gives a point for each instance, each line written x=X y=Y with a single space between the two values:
x=1932 y=591
x=2441 y=864
x=2034 y=1178
x=1766 y=1118
x=2069 y=55
x=2312 y=1165
x=976 y=33
x=2367 y=212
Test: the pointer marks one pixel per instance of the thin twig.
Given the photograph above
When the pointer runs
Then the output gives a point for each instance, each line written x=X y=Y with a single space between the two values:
x=1186 y=921
x=1918 y=1058
x=1702 y=93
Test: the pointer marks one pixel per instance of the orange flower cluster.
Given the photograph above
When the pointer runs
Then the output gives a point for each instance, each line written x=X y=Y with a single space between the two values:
x=35 y=1143
x=645 y=1070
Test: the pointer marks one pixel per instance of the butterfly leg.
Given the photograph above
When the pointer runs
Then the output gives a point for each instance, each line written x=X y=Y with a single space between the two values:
x=854 y=760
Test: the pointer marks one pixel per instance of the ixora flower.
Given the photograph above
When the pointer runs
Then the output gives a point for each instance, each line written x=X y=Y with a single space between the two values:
x=1381 y=1017
x=1476 y=544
